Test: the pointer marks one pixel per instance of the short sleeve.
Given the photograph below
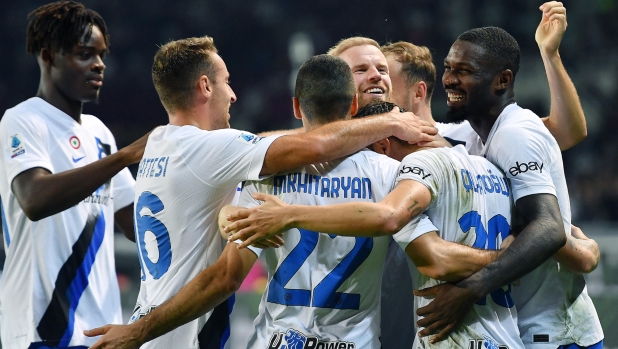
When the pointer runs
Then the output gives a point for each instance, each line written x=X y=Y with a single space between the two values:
x=123 y=189
x=246 y=200
x=523 y=153
x=424 y=167
x=23 y=145
x=225 y=156
x=418 y=226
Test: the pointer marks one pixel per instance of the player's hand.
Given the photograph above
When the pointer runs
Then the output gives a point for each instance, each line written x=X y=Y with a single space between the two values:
x=134 y=152
x=255 y=224
x=446 y=312
x=552 y=27
x=412 y=129
x=438 y=142
x=114 y=337
x=578 y=233
x=274 y=241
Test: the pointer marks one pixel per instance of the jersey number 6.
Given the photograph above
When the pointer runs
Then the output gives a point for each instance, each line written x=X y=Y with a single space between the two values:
x=157 y=258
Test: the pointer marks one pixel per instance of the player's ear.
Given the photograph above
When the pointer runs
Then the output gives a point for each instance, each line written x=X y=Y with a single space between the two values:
x=296 y=106
x=204 y=86
x=46 y=57
x=420 y=90
x=382 y=146
x=505 y=79
x=354 y=106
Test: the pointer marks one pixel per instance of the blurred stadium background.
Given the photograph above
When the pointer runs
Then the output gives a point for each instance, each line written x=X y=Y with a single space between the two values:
x=263 y=42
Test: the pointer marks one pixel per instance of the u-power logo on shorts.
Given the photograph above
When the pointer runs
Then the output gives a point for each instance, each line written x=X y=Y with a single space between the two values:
x=525 y=167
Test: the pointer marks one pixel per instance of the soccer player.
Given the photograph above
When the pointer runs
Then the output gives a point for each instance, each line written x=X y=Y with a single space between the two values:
x=479 y=78
x=63 y=185
x=191 y=169
x=407 y=75
x=466 y=197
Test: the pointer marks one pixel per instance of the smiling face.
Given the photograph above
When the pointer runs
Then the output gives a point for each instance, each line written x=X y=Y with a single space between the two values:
x=468 y=80
x=78 y=74
x=370 y=72
x=222 y=96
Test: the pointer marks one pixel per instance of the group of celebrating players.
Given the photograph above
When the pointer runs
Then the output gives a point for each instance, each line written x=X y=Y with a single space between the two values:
x=370 y=192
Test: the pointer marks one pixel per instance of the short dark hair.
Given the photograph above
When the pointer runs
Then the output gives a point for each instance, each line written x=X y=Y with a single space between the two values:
x=177 y=66
x=376 y=107
x=325 y=88
x=416 y=63
x=60 y=25
x=501 y=48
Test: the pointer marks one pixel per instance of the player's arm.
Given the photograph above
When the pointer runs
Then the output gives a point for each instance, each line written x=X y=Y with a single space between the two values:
x=566 y=120
x=580 y=254
x=341 y=138
x=407 y=200
x=209 y=288
x=447 y=261
x=542 y=236
x=41 y=194
x=124 y=220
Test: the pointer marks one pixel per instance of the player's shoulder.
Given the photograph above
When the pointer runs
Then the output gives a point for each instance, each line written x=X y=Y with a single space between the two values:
x=517 y=120
x=24 y=112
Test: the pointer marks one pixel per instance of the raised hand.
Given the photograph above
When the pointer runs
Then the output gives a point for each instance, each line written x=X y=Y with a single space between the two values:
x=552 y=27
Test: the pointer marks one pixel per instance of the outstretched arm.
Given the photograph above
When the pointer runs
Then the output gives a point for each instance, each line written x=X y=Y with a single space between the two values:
x=208 y=289
x=341 y=138
x=566 y=120
x=580 y=254
x=387 y=217
x=41 y=194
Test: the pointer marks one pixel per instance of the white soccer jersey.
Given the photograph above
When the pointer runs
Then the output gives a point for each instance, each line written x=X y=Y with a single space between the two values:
x=553 y=303
x=324 y=290
x=59 y=276
x=185 y=177
x=470 y=205
x=461 y=133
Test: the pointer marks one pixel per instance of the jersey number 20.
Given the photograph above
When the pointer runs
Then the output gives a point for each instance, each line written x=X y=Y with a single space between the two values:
x=497 y=226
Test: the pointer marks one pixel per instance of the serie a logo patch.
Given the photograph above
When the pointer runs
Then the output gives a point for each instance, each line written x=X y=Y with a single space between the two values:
x=16 y=145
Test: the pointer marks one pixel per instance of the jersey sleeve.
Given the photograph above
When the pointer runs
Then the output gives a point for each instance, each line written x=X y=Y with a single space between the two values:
x=23 y=145
x=418 y=226
x=123 y=189
x=523 y=153
x=246 y=200
x=424 y=167
x=226 y=156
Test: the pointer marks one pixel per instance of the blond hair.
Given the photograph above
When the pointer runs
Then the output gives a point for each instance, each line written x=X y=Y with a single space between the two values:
x=345 y=44
x=416 y=63
x=176 y=68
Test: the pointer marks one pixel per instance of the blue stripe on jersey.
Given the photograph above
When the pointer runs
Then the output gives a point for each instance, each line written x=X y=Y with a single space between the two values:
x=42 y=345
x=5 y=228
x=575 y=346
x=216 y=331
x=56 y=325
